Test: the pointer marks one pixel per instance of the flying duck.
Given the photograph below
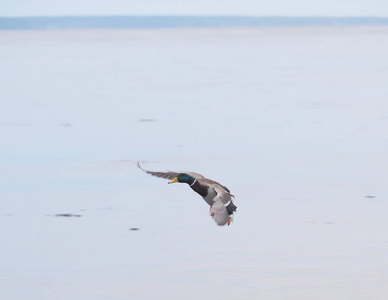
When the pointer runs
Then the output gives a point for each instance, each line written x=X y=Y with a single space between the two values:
x=216 y=195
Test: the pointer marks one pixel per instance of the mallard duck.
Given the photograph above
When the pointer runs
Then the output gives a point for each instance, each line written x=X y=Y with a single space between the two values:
x=216 y=195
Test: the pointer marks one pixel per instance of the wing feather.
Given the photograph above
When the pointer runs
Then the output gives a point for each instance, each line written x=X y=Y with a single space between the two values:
x=219 y=210
x=168 y=174
x=219 y=213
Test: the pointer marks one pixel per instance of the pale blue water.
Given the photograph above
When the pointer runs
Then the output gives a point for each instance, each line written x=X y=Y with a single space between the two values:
x=292 y=121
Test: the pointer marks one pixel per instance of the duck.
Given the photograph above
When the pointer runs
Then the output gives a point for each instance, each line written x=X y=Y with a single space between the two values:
x=216 y=195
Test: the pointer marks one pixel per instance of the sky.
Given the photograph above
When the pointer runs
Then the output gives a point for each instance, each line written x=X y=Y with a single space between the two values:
x=20 y=8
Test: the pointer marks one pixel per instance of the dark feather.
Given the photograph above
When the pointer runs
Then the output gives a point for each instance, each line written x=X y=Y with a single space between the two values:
x=166 y=175
x=231 y=208
x=225 y=188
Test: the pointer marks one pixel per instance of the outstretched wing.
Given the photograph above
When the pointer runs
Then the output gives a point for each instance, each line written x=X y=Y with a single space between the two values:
x=168 y=175
x=223 y=207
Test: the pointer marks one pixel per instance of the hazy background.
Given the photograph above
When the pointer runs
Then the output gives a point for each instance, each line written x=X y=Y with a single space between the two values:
x=293 y=120
x=195 y=7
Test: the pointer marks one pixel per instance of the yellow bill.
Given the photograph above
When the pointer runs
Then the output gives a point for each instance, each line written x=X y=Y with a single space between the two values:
x=174 y=180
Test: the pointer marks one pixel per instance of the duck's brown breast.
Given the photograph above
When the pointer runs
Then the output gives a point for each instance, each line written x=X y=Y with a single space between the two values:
x=200 y=188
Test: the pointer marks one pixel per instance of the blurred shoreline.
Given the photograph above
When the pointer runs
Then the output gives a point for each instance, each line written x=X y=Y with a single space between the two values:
x=104 y=22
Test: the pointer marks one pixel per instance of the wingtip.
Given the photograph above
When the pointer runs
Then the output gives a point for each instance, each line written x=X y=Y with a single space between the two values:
x=138 y=165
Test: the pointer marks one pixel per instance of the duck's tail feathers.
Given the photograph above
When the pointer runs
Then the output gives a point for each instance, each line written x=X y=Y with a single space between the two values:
x=231 y=208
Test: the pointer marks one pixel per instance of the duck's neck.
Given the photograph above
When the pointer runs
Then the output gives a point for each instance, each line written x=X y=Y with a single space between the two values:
x=191 y=181
x=188 y=179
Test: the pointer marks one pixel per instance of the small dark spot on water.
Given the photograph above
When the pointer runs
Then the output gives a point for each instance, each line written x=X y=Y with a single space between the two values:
x=146 y=120
x=134 y=229
x=68 y=215
x=65 y=124
x=370 y=196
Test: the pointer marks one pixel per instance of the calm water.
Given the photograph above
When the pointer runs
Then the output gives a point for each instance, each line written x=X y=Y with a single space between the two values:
x=293 y=121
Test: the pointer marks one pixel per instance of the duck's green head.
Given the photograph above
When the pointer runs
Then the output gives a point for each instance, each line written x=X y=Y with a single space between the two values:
x=184 y=178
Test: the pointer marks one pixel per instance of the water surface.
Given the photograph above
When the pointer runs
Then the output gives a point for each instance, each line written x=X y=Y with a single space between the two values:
x=293 y=121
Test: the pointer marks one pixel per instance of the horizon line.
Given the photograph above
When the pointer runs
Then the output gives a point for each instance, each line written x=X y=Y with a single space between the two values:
x=179 y=21
x=195 y=15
